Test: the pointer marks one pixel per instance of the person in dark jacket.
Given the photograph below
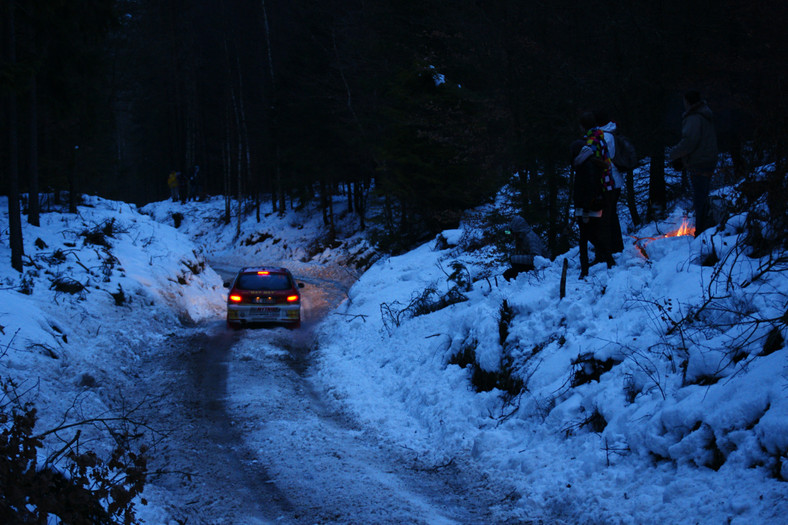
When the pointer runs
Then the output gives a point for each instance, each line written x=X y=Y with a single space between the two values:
x=697 y=151
x=195 y=186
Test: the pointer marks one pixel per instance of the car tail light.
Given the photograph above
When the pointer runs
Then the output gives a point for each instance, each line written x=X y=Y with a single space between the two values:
x=263 y=273
x=292 y=298
x=236 y=298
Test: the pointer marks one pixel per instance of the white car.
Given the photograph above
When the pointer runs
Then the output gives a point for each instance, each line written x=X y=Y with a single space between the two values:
x=264 y=294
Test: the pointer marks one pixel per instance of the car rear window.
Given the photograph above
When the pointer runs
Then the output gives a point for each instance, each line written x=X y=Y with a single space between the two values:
x=273 y=281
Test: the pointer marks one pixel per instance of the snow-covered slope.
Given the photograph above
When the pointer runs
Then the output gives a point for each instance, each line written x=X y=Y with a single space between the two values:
x=98 y=289
x=652 y=392
x=648 y=394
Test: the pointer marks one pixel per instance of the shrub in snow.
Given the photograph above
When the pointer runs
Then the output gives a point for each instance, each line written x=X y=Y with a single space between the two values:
x=762 y=196
x=500 y=375
x=592 y=420
x=119 y=296
x=775 y=340
x=27 y=284
x=588 y=368
x=460 y=277
x=98 y=234
x=55 y=258
x=258 y=238
x=67 y=285
x=447 y=239
x=196 y=266
x=73 y=484
x=422 y=303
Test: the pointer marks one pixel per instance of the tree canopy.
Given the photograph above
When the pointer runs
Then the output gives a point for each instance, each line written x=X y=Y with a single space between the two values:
x=433 y=104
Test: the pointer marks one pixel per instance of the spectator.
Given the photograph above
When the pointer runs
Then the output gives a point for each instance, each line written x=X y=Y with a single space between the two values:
x=172 y=182
x=527 y=244
x=591 y=163
x=697 y=151
x=616 y=241
x=195 y=188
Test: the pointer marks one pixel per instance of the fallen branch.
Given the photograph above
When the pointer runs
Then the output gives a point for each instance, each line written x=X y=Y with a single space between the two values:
x=353 y=317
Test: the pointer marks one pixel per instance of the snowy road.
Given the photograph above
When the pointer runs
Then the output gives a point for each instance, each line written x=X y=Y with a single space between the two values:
x=251 y=440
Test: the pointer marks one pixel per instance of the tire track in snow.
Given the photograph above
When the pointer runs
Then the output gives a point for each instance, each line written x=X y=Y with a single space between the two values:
x=261 y=444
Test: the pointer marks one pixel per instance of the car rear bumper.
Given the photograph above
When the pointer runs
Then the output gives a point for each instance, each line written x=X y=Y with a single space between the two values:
x=263 y=314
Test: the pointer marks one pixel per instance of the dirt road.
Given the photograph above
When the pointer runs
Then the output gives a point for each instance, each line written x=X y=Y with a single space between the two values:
x=249 y=439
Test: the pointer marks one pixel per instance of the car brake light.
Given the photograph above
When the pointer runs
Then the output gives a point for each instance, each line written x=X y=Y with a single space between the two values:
x=263 y=273
x=236 y=298
x=292 y=298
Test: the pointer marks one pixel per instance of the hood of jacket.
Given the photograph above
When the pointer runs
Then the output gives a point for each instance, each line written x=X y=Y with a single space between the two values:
x=610 y=127
x=702 y=109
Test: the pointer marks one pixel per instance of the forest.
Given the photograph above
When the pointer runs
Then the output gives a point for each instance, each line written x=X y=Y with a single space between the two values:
x=428 y=105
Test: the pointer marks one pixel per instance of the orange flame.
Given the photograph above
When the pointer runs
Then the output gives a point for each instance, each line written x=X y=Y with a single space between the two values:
x=683 y=230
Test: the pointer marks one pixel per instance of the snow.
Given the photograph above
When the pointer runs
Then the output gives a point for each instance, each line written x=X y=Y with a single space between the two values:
x=694 y=416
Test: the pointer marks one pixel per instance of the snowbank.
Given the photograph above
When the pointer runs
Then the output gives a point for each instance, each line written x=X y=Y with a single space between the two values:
x=645 y=395
x=98 y=288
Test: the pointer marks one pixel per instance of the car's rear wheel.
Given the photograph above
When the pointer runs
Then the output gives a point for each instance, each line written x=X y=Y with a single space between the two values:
x=233 y=326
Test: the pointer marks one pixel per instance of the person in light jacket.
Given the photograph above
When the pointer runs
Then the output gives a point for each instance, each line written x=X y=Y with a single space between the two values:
x=526 y=245
x=608 y=127
x=592 y=181
x=697 y=151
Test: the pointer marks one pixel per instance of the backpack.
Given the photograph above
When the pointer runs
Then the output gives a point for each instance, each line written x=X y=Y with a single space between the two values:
x=588 y=190
x=626 y=158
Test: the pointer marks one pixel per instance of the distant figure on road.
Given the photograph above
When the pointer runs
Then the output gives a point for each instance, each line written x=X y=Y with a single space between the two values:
x=172 y=183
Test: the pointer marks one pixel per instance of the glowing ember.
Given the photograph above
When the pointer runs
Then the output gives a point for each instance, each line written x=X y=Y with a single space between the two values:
x=685 y=229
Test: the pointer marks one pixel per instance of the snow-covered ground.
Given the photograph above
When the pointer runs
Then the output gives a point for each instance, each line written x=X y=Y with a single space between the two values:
x=97 y=287
x=645 y=395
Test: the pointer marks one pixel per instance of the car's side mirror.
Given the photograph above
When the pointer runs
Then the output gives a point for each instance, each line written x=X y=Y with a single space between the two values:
x=226 y=284
x=300 y=285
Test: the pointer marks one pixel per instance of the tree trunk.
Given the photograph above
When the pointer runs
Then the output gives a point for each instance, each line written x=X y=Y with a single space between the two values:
x=657 y=197
x=324 y=201
x=257 y=206
x=553 y=213
x=14 y=210
x=404 y=223
x=388 y=212
x=273 y=200
x=227 y=166
x=358 y=197
x=239 y=166
x=278 y=195
x=331 y=211
x=279 y=189
x=629 y=180
x=72 y=182
x=34 y=208
x=243 y=134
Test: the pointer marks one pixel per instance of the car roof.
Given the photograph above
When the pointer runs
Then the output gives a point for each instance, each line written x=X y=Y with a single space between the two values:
x=271 y=269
